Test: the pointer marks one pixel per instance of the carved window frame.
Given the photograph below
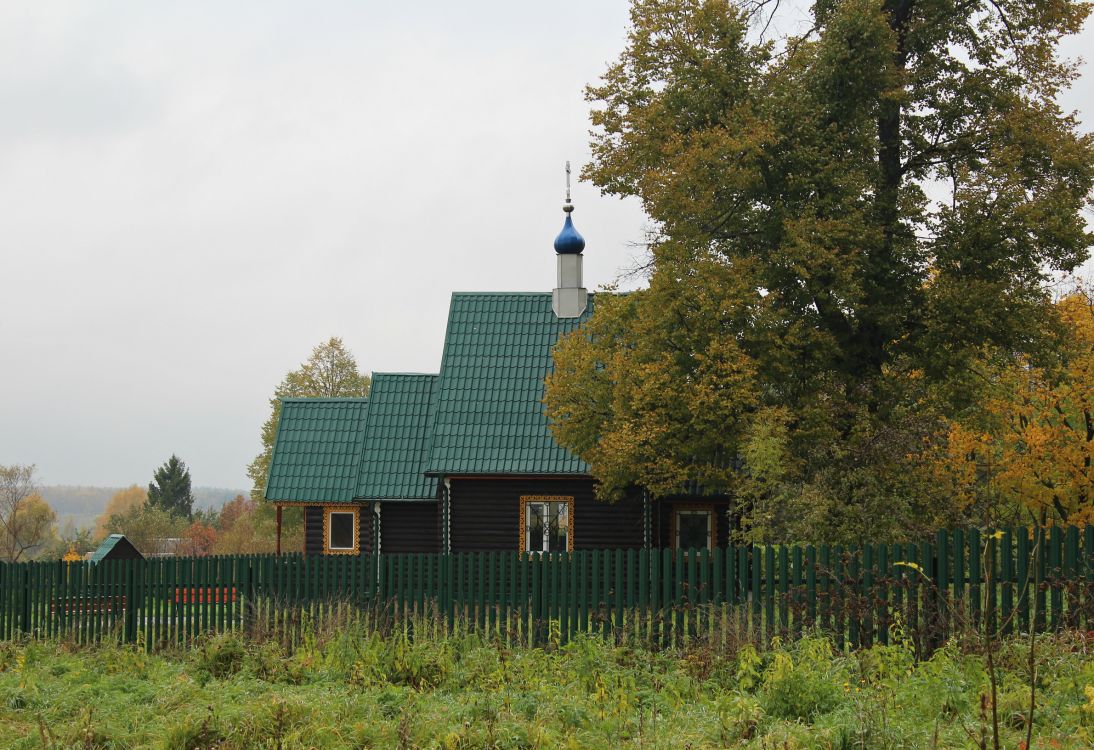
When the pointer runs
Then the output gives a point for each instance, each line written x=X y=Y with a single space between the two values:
x=352 y=510
x=692 y=508
x=524 y=502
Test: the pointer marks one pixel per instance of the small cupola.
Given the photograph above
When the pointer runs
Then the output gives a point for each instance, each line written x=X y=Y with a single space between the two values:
x=570 y=298
x=569 y=241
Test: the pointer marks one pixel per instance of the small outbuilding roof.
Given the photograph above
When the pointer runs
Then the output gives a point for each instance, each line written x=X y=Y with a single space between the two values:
x=116 y=547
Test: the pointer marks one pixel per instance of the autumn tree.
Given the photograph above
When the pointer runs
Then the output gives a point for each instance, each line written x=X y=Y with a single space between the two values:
x=68 y=538
x=197 y=540
x=330 y=371
x=1029 y=446
x=120 y=502
x=149 y=527
x=844 y=221
x=245 y=526
x=26 y=520
x=234 y=510
x=170 y=488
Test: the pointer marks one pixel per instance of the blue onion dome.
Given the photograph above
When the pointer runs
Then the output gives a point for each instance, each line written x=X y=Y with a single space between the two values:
x=569 y=242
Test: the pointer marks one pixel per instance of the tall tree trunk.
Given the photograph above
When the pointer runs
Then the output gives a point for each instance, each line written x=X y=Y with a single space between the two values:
x=874 y=331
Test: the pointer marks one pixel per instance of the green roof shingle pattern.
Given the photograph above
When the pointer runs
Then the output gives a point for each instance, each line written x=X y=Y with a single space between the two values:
x=317 y=450
x=105 y=548
x=488 y=417
x=396 y=441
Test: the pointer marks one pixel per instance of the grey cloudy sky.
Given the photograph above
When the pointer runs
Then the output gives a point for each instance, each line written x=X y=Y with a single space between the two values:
x=193 y=195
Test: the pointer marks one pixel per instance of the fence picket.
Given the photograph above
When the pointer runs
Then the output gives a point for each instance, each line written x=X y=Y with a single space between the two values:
x=1054 y=575
x=975 y=574
x=1072 y=576
x=783 y=590
x=1025 y=581
x=1040 y=565
x=1087 y=571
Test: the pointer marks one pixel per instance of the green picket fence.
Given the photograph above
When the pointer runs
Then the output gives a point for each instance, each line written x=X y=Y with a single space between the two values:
x=1008 y=581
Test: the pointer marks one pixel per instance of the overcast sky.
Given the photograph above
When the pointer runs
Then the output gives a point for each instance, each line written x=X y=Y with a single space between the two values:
x=193 y=195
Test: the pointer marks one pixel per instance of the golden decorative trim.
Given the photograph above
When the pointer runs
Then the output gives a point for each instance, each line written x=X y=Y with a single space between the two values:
x=708 y=507
x=355 y=512
x=317 y=503
x=511 y=477
x=525 y=499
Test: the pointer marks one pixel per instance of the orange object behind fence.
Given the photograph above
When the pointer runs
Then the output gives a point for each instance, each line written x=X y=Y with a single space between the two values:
x=204 y=595
x=96 y=605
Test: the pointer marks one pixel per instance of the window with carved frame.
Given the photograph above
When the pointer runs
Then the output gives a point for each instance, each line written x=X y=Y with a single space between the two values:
x=341 y=530
x=546 y=523
x=693 y=527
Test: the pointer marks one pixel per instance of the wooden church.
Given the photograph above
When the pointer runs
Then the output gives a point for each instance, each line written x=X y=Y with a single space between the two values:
x=463 y=459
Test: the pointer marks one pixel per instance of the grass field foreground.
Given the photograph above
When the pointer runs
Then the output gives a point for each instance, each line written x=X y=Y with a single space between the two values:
x=355 y=690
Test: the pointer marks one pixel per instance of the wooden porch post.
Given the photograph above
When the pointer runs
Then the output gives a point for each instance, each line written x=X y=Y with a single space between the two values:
x=278 y=529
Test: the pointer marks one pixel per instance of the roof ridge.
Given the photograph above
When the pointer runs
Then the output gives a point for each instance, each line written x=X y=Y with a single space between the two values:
x=501 y=294
x=508 y=294
x=314 y=399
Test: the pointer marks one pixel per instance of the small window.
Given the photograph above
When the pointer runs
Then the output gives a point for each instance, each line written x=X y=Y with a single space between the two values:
x=546 y=524
x=340 y=531
x=694 y=528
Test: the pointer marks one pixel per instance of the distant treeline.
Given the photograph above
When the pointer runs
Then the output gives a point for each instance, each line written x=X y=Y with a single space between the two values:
x=82 y=505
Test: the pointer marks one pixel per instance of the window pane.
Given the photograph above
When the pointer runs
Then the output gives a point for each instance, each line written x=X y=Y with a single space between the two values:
x=341 y=530
x=692 y=529
x=535 y=527
x=559 y=527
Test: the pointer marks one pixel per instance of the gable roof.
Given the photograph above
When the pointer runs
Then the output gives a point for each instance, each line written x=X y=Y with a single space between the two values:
x=317 y=450
x=120 y=546
x=488 y=415
x=396 y=440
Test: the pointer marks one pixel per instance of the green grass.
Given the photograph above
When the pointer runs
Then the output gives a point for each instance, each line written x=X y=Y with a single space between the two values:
x=361 y=690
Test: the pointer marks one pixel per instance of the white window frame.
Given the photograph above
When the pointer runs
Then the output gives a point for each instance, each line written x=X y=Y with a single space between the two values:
x=693 y=510
x=545 y=502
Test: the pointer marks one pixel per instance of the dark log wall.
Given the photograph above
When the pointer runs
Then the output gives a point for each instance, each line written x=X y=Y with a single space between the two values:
x=366 y=519
x=409 y=527
x=599 y=525
x=313 y=529
x=486 y=514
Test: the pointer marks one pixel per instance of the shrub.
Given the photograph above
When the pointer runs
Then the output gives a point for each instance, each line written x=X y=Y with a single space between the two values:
x=194 y=735
x=401 y=661
x=218 y=657
x=8 y=656
x=802 y=682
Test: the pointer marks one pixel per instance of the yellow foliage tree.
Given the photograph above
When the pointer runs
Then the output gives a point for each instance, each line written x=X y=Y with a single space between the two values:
x=1032 y=444
x=120 y=503
x=27 y=523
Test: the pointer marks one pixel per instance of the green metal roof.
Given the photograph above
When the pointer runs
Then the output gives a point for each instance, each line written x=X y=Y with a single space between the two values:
x=489 y=414
x=396 y=441
x=108 y=546
x=317 y=450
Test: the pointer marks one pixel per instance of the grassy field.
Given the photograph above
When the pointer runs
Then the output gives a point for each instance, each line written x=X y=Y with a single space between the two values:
x=360 y=690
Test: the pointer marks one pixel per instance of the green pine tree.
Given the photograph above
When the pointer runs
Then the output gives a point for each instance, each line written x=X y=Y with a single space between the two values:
x=169 y=489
